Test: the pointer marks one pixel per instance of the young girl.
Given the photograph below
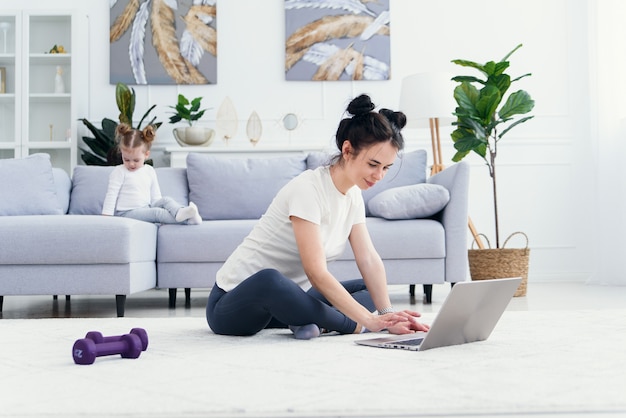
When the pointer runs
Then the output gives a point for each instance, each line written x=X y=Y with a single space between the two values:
x=134 y=190
x=278 y=276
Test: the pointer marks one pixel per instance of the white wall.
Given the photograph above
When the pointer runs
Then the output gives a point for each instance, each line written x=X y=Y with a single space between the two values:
x=556 y=174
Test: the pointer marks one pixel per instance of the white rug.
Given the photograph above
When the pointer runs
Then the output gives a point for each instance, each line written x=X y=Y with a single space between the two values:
x=543 y=362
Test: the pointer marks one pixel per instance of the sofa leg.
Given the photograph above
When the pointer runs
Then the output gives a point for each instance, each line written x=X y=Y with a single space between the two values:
x=187 y=298
x=428 y=294
x=120 y=302
x=1 y=302
x=55 y=297
x=172 y=297
x=412 y=289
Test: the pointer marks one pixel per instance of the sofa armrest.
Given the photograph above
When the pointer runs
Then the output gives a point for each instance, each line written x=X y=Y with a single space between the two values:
x=454 y=219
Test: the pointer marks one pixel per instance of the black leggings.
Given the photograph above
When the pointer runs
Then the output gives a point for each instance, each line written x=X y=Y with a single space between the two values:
x=268 y=299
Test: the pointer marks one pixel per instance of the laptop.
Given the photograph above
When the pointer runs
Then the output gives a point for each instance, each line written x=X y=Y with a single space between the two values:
x=469 y=313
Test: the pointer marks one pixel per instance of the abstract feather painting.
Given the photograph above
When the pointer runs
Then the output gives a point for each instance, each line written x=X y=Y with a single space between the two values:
x=163 y=41
x=337 y=40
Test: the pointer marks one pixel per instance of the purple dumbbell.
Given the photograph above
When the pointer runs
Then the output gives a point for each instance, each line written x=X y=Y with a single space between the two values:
x=97 y=337
x=85 y=350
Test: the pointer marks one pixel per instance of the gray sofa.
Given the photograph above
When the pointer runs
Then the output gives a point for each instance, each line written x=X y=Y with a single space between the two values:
x=64 y=246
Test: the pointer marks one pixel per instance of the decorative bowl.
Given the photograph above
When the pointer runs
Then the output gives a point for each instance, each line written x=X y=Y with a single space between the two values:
x=193 y=136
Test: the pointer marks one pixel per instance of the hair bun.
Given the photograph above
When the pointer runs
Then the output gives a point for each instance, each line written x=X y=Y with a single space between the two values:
x=360 y=105
x=397 y=119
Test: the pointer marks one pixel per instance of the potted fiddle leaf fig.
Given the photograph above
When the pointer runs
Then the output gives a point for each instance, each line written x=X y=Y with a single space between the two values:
x=190 y=111
x=485 y=112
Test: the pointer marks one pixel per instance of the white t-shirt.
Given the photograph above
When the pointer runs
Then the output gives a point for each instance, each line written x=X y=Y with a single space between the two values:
x=312 y=196
x=131 y=189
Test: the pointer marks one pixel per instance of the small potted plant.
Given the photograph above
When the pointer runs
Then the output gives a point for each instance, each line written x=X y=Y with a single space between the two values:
x=190 y=111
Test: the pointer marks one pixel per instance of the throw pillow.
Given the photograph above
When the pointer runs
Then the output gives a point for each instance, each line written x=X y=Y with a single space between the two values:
x=238 y=188
x=89 y=187
x=410 y=202
x=318 y=158
x=409 y=168
x=27 y=187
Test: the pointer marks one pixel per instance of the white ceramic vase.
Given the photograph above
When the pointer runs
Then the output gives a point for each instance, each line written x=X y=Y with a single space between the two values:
x=194 y=136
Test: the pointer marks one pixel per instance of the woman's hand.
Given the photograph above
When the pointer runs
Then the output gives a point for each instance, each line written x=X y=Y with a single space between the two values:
x=403 y=322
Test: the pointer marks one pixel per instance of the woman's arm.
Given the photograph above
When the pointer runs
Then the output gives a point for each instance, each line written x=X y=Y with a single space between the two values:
x=311 y=250
x=370 y=266
x=372 y=269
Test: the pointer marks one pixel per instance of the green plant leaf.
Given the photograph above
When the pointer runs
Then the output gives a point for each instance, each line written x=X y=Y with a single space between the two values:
x=467 y=143
x=145 y=115
x=472 y=64
x=187 y=110
x=468 y=78
x=91 y=159
x=487 y=103
x=182 y=100
x=125 y=99
x=514 y=124
x=195 y=104
x=466 y=96
x=502 y=82
x=518 y=103
x=522 y=76
x=506 y=57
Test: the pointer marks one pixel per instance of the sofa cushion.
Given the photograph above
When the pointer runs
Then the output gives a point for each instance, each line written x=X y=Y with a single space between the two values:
x=69 y=239
x=63 y=185
x=173 y=183
x=404 y=239
x=211 y=241
x=89 y=187
x=409 y=202
x=318 y=158
x=409 y=168
x=238 y=188
x=27 y=187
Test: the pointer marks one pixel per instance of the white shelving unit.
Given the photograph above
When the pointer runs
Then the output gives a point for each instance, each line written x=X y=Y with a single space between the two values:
x=33 y=116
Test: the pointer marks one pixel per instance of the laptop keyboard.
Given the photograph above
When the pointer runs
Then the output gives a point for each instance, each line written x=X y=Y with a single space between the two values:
x=416 y=341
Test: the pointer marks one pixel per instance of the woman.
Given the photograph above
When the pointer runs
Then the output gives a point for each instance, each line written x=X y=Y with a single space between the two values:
x=278 y=276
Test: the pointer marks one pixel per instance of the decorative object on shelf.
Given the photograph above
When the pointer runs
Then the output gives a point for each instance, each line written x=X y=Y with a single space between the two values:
x=327 y=40
x=194 y=136
x=480 y=115
x=3 y=80
x=5 y=26
x=290 y=121
x=190 y=111
x=180 y=51
x=226 y=120
x=51 y=126
x=57 y=49
x=59 y=85
x=102 y=148
x=254 y=128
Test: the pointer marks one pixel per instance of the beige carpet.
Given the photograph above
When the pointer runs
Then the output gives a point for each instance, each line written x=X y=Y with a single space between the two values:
x=544 y=362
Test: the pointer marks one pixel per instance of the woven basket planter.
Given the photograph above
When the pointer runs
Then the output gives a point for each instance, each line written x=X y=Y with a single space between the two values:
x=497 y=263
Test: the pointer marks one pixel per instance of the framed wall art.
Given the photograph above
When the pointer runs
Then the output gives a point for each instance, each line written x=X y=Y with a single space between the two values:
x=163 y=41
x=337 y=40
